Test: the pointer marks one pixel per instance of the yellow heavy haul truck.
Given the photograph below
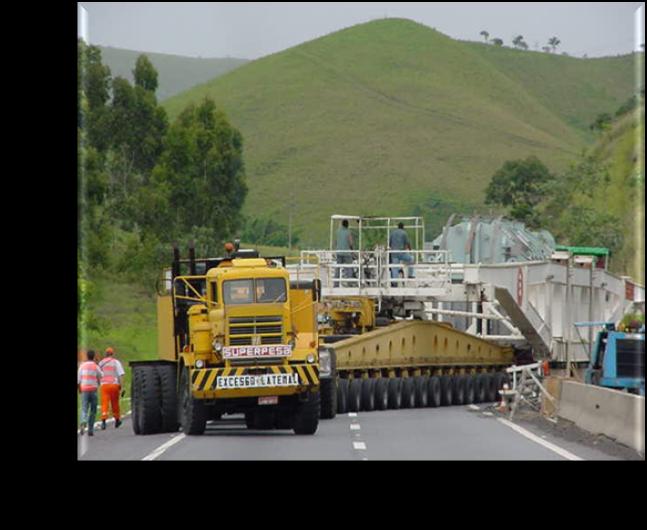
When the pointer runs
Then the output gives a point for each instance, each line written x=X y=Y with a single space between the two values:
x=374 y=364
x=234 y=336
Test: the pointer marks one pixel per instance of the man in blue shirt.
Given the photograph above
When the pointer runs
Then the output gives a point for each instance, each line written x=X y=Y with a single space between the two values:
x=399 y=240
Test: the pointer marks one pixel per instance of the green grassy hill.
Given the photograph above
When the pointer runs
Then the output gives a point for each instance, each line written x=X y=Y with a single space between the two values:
x=392 y=117
x=176 y=73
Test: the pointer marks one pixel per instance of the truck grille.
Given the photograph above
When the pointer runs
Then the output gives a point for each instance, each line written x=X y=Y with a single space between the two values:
x=630 y=358
x=242 y=330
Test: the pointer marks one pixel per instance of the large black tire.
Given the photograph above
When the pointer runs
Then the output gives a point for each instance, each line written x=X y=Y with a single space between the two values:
x=306 y=415
x=480 y=388
x=263 y=419
x=368 y=395
x=408 y=393
x=433 y=391
x=328 y=391
x=499 y=379
x=135 y=396
x=490 y=392
x=446 y=394
x=458 y=390
x=469 y=389
x=342 y=395
x=382 y=393
x=150 y=419
x=355 y=395
x=420 y=384
x=283 y=419
x=168 y=383
x=193 y=413
x=395 y=392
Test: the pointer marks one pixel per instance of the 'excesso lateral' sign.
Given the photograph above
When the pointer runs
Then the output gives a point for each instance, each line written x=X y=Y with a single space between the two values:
x=274 y=350
x=257 y=381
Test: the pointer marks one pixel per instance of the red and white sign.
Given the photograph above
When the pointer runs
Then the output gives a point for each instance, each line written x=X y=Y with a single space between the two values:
x=268 y=400
x=242 y=352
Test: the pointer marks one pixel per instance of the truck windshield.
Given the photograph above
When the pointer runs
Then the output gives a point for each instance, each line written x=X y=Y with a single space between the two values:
x=259 y=290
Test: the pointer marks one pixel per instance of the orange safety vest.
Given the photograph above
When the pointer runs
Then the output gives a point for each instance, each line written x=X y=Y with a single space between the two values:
x=89 y=376
x=109 y=368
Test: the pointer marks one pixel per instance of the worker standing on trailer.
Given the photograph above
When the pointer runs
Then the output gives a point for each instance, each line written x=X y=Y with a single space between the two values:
x=399 y=241
x=89 y=376
x=111 y=385
x=344 y=244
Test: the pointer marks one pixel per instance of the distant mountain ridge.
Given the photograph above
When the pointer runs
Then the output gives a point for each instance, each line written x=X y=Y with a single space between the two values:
x=176 y=73
x=393 y=117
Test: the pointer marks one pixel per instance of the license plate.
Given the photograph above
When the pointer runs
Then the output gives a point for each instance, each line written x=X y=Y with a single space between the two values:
x=241 y=352
x=256 y=381
x=268 y=400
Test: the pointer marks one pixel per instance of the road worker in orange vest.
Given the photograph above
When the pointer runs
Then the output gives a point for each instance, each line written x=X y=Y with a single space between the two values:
x=111 y=387
x=88 y=380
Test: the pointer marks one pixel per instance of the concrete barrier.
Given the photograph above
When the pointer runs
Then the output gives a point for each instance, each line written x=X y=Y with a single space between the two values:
x=600 y=410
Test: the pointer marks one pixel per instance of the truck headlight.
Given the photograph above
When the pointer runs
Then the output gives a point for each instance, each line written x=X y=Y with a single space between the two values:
x=310 y=358
x=217 y=345
x=324 y=363
x=199 y=363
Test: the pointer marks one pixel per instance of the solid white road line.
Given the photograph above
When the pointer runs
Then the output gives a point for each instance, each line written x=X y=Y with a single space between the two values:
x=474 y=407
x=164 y=447
x=556 y=449
x=360 y=446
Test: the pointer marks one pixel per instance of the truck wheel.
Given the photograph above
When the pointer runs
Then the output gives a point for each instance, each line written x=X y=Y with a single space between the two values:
x=488 y=383
x=458 y=390
x=469 y=389
x=193 y=413
x=395 y=392
x=382 y=393
x=135 y=395
x=355 y=395
x=342 y=395
x=328 y=398
x=433 y=391
x=480 y=388
x=421 y=391
x=263 y=420
x=306 y=416
x=283 y=419
x=408 y=393
x=150 y=419
x=499 y=379
x=249 y=419
x=446 y=394
x=368 y=396
x=168 y=383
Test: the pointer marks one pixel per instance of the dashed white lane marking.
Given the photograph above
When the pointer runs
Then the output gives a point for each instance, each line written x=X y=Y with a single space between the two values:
x=352 y=414
x=164 y=447
x=359 y=446
x=364 y=458
x=474 y=407
x=486 y=413
x=556 y=449
x=355 y=427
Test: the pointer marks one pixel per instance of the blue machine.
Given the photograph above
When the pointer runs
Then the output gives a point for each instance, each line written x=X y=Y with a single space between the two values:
x=618 y=359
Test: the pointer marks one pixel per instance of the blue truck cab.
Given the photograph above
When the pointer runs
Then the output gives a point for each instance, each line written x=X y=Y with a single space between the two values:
x=618 y=360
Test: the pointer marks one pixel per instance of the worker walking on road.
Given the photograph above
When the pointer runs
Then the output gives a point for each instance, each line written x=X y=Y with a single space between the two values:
x=344 y=244
x=111 y=387
x=88 y=380
x=398 y=241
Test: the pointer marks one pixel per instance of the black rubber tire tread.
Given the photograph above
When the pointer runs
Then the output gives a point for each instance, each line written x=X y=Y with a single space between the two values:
x=382 y=393
x=408 y=393
x=328 y=390
x=469 y=389
x=489 y=386
x=135 y=396
x=355 y=395
x=395 y=393
x=168 y=382
x=151 y=400
x=420 y=384
x=480 y=388
x=306 y=415
x=283 y=419
x=193 y=413
x=368 y=395
x=433 y=391
x=446 y=394
x=458 y=389
x=342 y=395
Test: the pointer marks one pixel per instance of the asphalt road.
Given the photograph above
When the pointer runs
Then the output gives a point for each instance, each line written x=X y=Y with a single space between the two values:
x=447 y=433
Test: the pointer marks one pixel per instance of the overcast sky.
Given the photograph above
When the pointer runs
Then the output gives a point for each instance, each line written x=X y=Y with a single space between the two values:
x=253 y=29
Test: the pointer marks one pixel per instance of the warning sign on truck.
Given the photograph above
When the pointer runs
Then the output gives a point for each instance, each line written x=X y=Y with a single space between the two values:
x=257 y=381
x=275 y=350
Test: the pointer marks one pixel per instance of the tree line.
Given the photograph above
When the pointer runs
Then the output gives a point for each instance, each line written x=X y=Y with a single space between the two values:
x=519 y=42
